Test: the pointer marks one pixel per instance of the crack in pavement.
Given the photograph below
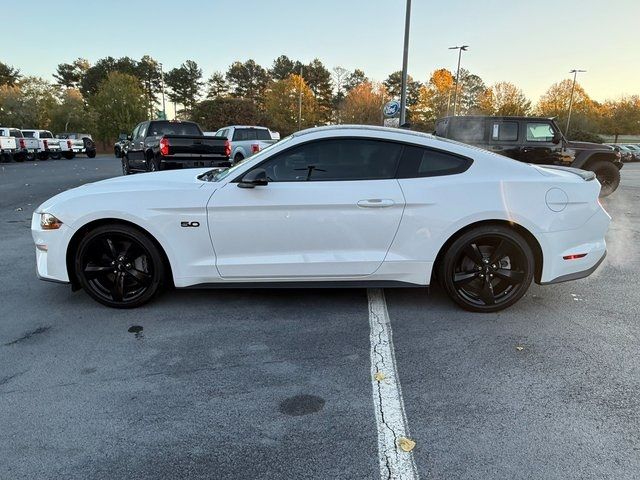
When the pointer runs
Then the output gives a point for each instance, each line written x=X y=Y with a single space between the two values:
x=387 y=395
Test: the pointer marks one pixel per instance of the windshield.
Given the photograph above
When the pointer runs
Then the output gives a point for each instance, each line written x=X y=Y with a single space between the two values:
x=217 y=175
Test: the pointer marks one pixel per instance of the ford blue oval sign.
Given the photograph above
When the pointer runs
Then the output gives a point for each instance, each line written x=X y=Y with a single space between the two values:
x=391 y=108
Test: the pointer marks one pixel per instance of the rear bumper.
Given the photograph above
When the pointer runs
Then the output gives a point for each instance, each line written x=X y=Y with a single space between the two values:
x=194 y=163
x=587 y=241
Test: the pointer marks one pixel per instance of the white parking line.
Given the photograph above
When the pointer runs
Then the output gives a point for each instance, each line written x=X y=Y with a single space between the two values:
x=391 y=419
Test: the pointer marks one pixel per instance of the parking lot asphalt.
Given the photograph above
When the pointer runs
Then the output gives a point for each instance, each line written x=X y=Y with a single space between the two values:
x=277 y=383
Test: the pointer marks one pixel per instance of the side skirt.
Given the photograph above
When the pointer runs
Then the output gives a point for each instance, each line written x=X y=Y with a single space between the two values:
x=319 y=284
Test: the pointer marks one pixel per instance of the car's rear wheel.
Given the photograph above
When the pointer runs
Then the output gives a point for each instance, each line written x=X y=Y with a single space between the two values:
x=607 y=174
x=55 y=156
x=119 y=266
x=91 y=153
x=487 y=269
x=69 y=155
x=153 y=165
x=238 y=158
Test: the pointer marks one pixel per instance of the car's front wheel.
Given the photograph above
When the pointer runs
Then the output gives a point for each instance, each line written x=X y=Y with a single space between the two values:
x=126 y=169
x=487 y=269
x=119 y=266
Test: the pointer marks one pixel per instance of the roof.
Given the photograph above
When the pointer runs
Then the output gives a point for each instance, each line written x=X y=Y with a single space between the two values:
x=510 y=117
x=372 y=128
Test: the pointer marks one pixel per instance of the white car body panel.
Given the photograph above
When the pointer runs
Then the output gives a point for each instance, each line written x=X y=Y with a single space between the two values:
x=315 y=231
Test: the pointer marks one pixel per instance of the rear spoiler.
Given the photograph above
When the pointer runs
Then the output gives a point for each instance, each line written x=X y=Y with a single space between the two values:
x=586 y=175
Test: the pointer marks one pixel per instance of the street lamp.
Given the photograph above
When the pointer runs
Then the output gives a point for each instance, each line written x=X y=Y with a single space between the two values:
x=455 y=94
x=405 y=59
x=575 y=74
x=164 y=110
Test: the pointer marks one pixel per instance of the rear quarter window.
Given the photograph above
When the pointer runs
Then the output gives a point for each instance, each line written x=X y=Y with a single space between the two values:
x=420 y=162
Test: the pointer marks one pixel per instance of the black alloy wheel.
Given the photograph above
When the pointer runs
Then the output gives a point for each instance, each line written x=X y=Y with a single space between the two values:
x=487 y=269
x=126 y=169
x=119 y=266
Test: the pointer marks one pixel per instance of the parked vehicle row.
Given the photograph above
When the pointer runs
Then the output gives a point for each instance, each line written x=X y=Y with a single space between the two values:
x=535 y=140
x=246 y=140
x=31 y=144
x=630 y=152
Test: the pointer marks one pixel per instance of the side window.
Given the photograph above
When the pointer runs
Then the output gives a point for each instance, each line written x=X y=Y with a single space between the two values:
x=423 y=162
x=539 y=132
x=143 y=130
x=135 y=131
x=239 y=134
x=466 y=130
x=335 y=160
x=504 y=131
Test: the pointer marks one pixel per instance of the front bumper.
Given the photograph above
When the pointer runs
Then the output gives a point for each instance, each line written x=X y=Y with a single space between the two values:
x=51 y=249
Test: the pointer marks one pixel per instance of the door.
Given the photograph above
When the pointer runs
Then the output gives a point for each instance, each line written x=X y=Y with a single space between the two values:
x=504 y=137
x=136 y=147
x=538 y=146
x=331 y=209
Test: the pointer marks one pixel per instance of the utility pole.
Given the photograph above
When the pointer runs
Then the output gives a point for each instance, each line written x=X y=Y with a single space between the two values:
x=455 y=93
x=405 y=59
x=573 y=87
x=300 y=102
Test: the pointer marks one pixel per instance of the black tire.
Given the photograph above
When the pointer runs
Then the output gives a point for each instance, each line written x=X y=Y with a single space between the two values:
x=608 y=175
x=91 y=153
x=117 y=152
x=153 y=165
x=126 y=169
x=42 y=156
x=238 y=158
x=55 y=156
x=68 y=155
x=19 y=157
x=5 y=158
x=487 y=269
x=119 y=266
x=30 y=156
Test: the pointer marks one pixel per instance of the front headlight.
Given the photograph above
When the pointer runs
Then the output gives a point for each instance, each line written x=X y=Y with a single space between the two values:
x=49 y=222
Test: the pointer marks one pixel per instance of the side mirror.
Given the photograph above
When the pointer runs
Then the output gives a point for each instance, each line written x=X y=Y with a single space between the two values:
x=557 y=136
x=256 y=177
x=129 y=137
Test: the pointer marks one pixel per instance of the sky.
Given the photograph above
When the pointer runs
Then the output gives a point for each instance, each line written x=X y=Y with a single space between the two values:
x=531 y=43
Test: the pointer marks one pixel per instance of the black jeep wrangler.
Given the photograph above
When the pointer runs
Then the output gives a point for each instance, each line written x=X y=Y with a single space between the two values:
x=534 y=140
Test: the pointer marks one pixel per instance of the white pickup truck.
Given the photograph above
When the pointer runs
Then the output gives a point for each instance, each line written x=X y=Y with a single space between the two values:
x=247 y=140
x=25 y=148
x=50 y=147
x=80 y=143
x=8 y=145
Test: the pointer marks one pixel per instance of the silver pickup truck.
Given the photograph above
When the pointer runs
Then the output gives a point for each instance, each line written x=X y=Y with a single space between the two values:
x=247 y=140
x=80 y=143
x=50 y=147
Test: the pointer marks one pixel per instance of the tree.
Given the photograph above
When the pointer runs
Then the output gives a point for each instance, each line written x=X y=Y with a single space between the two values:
x=318 y=78
x=620 y=117
x=96 y=74
x=69 y=75
x=435 y=99
x=247 y=80
x=150 y=75
x=218 y=86
x=393 y=84
x=9 y=75
x=185 y=83
x=72 y=114
x=14 y=110
x=363 y=104
x=39 y=97
x=470 y=93
x=504 y=98
x=354 y=79
x=339 y=79
x=119 y=105
x=555 y=103
x=282 y=67
x=281 y=103
x=212 y=114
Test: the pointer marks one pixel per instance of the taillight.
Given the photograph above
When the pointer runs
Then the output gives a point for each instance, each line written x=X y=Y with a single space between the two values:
x=164 y=146
x=22 y=144
x=227 y=148
x=69 y=144
x=46 y=144
x=255 y=148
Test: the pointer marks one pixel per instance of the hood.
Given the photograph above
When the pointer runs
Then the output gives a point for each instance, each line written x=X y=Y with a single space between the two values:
x=588 y=146
x=157 y=181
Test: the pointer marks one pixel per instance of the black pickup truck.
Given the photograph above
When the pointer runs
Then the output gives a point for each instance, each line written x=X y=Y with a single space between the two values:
x=164 y=144
x=534 y=140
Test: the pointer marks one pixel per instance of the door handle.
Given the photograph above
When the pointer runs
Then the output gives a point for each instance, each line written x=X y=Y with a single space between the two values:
x=376 y=203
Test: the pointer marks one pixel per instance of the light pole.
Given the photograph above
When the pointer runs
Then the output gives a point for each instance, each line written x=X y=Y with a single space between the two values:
x=455 y=93
x=164 y=109
x=573 y=87
x=300 y=102
x=405 y=59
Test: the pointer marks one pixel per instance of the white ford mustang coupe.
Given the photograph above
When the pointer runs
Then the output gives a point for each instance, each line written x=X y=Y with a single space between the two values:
x=330 y=206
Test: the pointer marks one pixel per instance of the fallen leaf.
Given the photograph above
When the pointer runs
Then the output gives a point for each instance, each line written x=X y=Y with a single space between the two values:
x=406 y=444
x=19 y=209
x=519 y=348
x=379 y=376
